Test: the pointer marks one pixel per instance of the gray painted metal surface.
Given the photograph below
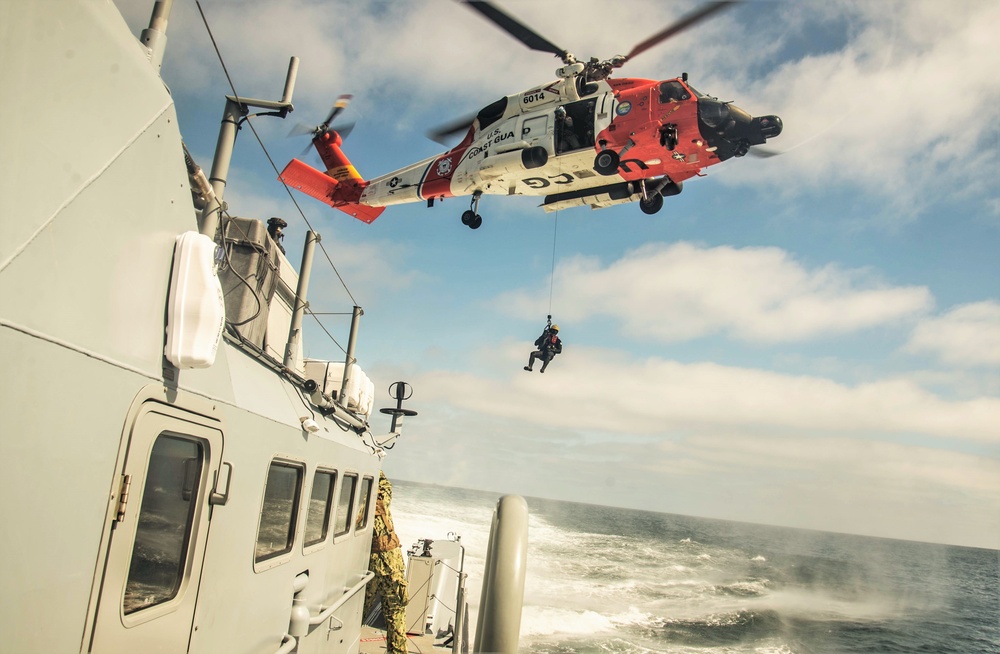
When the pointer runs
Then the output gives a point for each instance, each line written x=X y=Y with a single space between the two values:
x=90 y=207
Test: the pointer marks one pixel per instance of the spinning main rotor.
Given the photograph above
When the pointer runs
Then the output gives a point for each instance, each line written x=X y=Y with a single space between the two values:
x=593 y=69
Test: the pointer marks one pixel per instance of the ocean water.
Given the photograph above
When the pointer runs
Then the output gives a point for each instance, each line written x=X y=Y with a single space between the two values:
x=604 y=579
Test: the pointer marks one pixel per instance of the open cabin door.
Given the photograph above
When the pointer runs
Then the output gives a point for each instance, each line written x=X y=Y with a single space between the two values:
x=153 y=566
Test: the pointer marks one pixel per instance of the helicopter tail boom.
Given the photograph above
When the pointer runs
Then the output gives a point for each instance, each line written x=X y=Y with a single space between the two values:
x=342 y=193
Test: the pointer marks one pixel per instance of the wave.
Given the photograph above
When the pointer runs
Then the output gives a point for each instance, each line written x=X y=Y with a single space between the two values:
x=748 y=588
x=612 y=580
x=714 y=629
x=548 y=621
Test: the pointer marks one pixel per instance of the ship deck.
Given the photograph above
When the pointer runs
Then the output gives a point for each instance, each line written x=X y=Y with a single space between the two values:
x=373 y=642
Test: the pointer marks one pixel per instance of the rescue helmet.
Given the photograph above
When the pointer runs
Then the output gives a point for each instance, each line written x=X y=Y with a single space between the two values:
x=554 y=328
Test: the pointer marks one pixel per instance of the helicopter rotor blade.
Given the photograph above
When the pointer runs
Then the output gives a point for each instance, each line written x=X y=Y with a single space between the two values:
x=764 y=153
x=344 y=131
x=338 y=106
x=458 y=126
x=301 y=129
x=305 y=151
x=515 y=28
x=679 y=26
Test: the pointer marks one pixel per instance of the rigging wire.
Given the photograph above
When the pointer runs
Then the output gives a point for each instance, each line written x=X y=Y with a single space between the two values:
x=323 y=327
x=267 y=154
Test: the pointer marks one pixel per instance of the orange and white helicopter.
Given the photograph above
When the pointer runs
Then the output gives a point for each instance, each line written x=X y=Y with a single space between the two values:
x=583 y=139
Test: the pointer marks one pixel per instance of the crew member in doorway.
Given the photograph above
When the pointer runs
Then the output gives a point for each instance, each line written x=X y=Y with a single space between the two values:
x=548 y=345
x=568 y=140
x=386 y=562
x=274 y=227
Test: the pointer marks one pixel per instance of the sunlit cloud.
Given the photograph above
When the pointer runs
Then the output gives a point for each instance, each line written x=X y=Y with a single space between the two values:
x=605 y=390
x=968 y=335
x=683 y=291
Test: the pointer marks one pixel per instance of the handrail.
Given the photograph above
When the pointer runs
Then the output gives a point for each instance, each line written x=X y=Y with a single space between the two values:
x=499 y=624
x=348 y=594
x=288 y=643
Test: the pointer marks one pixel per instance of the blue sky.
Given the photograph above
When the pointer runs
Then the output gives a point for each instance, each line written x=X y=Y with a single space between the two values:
x=809 y=340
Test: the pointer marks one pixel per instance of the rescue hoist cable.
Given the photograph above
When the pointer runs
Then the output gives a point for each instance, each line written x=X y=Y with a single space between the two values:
x=552 y=275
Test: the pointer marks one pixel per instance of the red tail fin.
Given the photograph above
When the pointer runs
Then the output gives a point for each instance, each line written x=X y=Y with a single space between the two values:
x=340 y=187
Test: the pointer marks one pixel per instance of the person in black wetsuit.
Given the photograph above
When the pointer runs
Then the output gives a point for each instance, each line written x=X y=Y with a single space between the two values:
x=548 y=345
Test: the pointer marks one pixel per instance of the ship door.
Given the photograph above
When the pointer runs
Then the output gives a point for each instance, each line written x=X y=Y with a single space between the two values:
x=157 y=543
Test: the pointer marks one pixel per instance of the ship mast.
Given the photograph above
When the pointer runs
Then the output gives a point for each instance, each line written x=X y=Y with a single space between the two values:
x=154 y=37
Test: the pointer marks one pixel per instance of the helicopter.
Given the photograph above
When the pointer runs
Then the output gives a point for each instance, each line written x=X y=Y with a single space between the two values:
x=584 y=139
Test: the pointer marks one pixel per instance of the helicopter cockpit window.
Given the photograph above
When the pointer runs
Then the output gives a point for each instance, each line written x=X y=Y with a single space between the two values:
x=673 y=92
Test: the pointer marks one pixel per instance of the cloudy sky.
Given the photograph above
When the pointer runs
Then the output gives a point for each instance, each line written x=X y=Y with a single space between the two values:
x=809 y=340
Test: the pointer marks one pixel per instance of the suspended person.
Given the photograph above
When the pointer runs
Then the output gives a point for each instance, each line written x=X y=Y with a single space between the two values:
x=548 y=345
x=390 y=580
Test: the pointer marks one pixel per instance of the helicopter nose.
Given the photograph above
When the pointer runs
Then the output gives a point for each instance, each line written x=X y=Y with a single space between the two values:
x=768 y=126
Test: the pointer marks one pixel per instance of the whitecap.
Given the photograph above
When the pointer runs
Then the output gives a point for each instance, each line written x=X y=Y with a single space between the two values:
x=548 y=620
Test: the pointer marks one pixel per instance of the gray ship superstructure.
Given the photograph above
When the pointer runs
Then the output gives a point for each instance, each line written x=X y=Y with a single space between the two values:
x=178 y=478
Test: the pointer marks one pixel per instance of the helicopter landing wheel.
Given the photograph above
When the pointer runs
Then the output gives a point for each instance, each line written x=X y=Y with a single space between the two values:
x=651 y=205
x=606 y=162
x=472 y=219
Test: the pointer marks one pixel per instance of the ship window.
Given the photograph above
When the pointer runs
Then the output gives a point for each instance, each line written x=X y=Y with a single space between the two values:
x=345 y=505
x=278 y=514
x=163 y=529
x=363 y=501
x=318 y=520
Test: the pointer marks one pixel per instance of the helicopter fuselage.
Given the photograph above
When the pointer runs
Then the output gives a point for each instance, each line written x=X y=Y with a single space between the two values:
x=583 y=139
x=571 y=142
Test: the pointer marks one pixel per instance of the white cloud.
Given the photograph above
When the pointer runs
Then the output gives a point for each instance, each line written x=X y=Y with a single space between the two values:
x=604 y=390
x=717 y=441
x=968 y=335
x=900 y=108
x=682 y=291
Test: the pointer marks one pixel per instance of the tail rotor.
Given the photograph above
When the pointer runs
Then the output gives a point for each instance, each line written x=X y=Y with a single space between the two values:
x=302 y=129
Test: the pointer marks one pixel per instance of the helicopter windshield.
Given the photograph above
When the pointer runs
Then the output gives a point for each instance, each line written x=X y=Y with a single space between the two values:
x=673 y=91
